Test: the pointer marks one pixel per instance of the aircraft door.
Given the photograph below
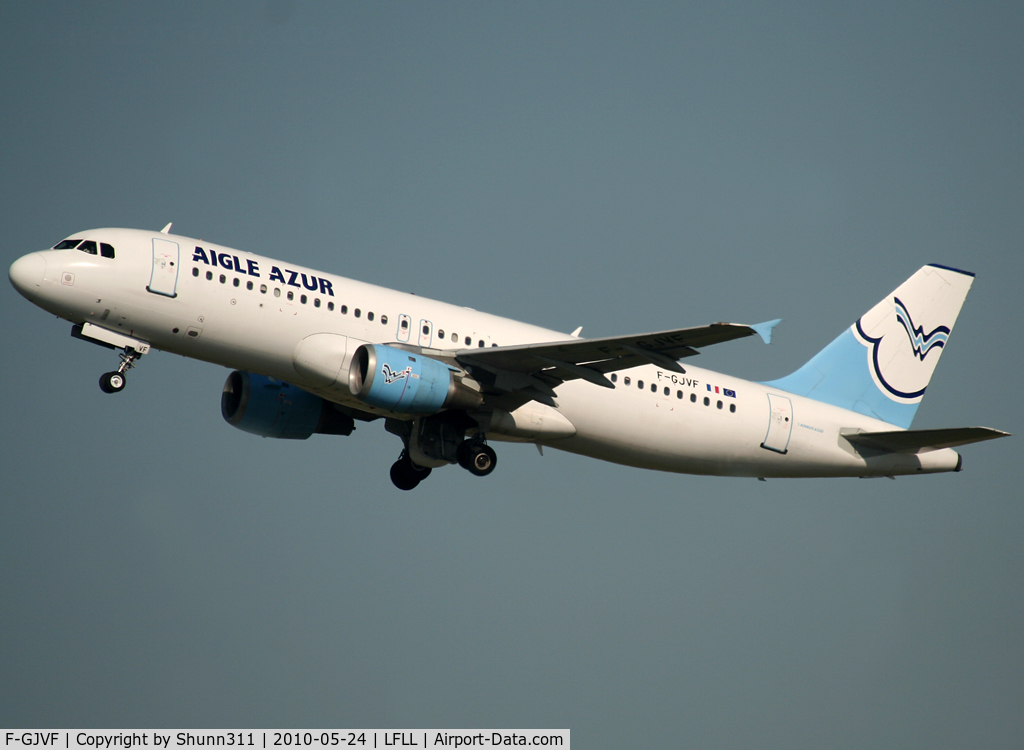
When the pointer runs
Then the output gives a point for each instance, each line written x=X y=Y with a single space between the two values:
x=426 y=332
x=404 y=327
x=780 y=425
x=164 y=277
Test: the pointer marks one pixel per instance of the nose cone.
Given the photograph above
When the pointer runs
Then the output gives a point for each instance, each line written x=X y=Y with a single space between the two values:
x=27 y=273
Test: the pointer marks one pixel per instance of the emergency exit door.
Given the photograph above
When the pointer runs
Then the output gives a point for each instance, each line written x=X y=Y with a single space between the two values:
x=780 y=424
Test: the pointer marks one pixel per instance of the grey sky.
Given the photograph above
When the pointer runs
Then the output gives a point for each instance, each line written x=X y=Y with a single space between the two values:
x=620 y=167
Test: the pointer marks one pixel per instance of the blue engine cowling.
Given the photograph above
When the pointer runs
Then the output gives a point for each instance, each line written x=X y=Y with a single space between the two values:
x=271 y=408
x=405 y=383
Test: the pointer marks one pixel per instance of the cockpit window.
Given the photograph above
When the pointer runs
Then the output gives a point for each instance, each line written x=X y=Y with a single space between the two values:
x=107 y=251
x=67 y=244
x=88 y=246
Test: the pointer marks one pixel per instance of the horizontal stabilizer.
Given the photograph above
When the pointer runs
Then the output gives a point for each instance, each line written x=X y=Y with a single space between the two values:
x=915 y=441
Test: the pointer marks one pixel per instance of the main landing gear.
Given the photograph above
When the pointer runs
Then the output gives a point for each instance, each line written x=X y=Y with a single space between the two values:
x=438 y=440
x=114 y=382
x=474 y=456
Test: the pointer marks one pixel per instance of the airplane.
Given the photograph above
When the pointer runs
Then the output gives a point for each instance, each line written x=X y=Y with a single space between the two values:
x=315 y=353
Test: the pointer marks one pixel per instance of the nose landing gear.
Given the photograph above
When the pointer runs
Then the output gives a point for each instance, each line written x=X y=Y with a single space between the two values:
x=114 y=382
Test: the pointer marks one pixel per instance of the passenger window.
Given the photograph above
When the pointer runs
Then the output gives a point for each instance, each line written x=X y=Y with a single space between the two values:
x=455 y=337
x=107 y=251
x=291 y=295
x=480 y=343
x=707 y=401
x=625 y=380
x=405 y=324
x=248 y=285
x=640 y=384
x=316 y=302
x=693 y=398
x=357 y=312
x=732 y=408
x=330 y=306
x=719 y=404
x=209 y=275
x=369 y=316
x=654 y=388
x=237 y=281
x=469 y=341
x=195 y=271
x=263 y=288
x=88 y=246
x=67 y=244
x=223 y=279
x=383 y=320
x=302 y=298
x=344 y=309
x=426 y=330
x=614 y=377
x=277 y=292
x=679 y=394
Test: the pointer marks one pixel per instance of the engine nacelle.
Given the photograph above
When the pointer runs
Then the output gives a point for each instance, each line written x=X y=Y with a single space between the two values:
x=406 y=383
x=271 y=408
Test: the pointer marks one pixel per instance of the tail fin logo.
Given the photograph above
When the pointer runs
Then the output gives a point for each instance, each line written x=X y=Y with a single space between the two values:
x=882 y=364
x=898 y=349
x=921 y=342
x=903 y=349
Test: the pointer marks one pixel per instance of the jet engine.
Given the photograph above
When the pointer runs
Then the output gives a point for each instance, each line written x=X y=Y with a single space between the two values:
x=405 y=383
x=271 y=408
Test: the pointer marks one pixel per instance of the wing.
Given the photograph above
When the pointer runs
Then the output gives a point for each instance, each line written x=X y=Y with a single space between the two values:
x=531 y=371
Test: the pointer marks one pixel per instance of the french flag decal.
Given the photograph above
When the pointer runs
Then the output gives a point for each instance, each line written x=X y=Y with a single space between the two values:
x=723 y=391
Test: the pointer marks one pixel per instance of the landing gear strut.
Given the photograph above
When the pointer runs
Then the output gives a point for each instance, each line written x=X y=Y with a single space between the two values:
x=405 y=474
x=114 y=382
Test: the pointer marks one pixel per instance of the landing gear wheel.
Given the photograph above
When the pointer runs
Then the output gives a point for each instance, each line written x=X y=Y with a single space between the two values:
x=406 y=475
x=402 y=478
x=482 y=460
x=464 y=454
x=112 y=382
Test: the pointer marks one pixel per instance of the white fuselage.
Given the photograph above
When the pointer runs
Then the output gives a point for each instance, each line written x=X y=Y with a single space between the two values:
x=252 y=313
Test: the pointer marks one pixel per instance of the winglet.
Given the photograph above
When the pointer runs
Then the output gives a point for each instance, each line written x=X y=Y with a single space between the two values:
x=764 y=330
x=167 y=228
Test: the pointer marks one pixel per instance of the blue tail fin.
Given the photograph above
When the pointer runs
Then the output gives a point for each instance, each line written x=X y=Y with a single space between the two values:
x=881 y=365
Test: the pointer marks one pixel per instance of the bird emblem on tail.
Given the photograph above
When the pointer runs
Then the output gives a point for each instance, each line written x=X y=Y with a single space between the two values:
x=921 y=342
